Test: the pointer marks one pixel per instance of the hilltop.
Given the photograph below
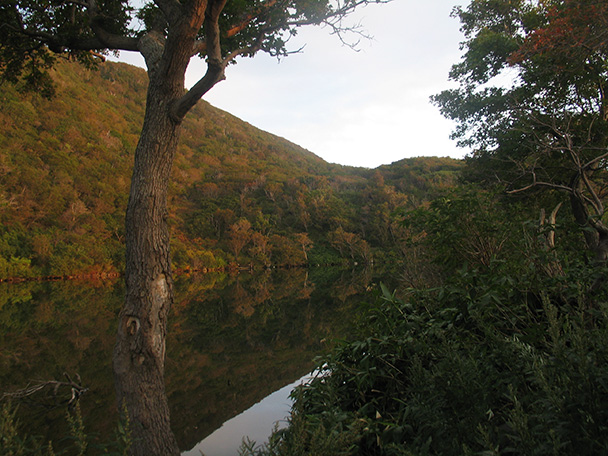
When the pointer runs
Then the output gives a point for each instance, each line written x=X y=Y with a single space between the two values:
x=238 y=194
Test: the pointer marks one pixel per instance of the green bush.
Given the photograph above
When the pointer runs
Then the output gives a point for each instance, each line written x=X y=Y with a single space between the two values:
x=15 y=267
x=463 y=371
x=14 y=441
x=509 y=355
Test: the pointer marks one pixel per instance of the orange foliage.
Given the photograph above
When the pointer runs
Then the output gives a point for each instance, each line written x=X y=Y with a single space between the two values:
x=573 y=28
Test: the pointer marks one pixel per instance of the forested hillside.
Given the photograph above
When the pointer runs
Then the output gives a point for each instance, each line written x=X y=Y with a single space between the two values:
x=501 y=348
x=238 y=195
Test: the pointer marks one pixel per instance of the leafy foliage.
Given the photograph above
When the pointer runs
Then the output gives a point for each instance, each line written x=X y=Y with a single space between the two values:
x=532 y=101
x=35 y=34
x=64 y=174
x=26 y=58
x=507 y=357
x=16 y=443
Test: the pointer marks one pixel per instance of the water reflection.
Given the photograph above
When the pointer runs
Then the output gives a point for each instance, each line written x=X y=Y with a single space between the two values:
x=233 y=339
x=255 y=424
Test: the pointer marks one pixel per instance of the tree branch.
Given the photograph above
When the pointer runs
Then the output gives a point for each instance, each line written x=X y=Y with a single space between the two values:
x=76 y=390
x=170 y=8
x=536 y=183
x=212 y=29
x=200 y=46
x=214 y=74
x=594 y=200
x=215 y=64
x=107 y=39
x=591 y=163
x=211 y=45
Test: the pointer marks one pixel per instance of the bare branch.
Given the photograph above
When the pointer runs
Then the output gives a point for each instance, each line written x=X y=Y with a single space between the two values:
x=200 y=46
x=536 y=183
x=214 y=74
x=333 y=21
x=594 y=200
x=215 y=63
x=552 y=219
x=212 y=28
x=53 y=386
x=593 y=162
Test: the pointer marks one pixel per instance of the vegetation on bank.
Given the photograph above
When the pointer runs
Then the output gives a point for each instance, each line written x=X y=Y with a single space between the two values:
x=14 y=443
x=505 y=351
x=505 y=356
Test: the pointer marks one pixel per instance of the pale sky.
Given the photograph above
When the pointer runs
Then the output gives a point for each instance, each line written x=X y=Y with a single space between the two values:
x=364 y=108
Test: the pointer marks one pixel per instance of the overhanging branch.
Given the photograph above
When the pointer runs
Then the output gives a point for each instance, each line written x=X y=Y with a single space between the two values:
x=564 y=188
x=76 y=390
x=214 y=74
x=200 y=46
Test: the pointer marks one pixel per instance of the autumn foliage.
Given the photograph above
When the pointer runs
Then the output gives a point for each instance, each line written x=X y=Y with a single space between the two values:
x=65 y=169
x=571 y=28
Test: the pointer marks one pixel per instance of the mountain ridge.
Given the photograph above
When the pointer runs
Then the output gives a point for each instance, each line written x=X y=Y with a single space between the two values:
x=65 y=168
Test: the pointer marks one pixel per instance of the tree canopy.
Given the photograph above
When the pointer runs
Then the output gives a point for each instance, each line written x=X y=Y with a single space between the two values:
x=532 y=100
x=218 y=31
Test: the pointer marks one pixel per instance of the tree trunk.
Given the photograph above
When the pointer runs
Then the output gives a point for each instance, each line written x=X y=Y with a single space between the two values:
x=601 y=250
x=596 y=234
x=581 y=216
x=595 y=238
x=139 y=354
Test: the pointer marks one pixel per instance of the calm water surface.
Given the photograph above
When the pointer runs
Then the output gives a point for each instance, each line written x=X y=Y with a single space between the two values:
x=253 y=424
x=233 y=340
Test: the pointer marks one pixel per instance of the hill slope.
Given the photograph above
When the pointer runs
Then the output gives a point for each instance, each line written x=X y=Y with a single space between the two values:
x=238 y=194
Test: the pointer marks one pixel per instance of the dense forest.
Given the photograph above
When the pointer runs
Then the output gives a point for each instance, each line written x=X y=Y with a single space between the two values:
x=238 y=196
x=494 y=341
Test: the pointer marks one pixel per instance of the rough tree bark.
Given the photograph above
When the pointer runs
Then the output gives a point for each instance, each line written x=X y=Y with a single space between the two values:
x=139 y=353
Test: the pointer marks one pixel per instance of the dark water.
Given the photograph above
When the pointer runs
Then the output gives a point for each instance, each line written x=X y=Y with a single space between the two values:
x=232 y=341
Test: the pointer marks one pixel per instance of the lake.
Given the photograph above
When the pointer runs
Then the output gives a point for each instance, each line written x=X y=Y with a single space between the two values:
x=233 y=340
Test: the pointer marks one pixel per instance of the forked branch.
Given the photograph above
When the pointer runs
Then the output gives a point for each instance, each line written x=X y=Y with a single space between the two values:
x=52 y=388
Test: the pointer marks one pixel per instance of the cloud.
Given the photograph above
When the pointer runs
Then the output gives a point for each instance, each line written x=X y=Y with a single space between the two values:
x=361 y=108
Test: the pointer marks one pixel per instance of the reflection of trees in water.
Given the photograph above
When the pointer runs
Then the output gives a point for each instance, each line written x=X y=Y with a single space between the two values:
x=261 y=332
x=233 y=340
x=54 y=328
x=352 y=282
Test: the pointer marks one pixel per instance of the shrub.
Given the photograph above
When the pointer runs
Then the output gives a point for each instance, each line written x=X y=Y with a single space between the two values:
x=488 y=363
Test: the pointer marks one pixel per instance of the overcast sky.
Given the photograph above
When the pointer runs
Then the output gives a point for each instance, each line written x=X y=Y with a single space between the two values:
x=364 y=108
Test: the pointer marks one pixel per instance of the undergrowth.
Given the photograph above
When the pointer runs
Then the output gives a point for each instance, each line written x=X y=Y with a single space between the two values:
x=490 y=363
x=15 y=441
